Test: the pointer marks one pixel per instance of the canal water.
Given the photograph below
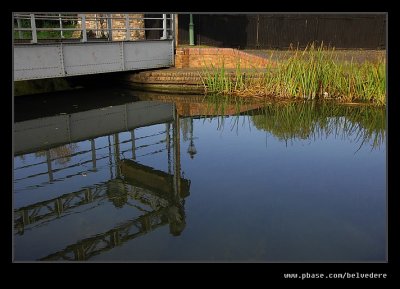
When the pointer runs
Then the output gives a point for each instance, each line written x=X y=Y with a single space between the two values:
x=130 y=176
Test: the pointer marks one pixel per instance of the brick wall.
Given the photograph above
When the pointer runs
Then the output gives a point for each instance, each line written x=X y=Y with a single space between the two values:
x=204 y=57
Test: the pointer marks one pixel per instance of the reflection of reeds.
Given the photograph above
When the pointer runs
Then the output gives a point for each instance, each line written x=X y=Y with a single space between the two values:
x=313 y=73
x=312 y=120
x=308 y=120
x=217 y=105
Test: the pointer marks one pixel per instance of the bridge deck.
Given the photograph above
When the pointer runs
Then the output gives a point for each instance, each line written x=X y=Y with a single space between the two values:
x=50 y=60
x=37 y=57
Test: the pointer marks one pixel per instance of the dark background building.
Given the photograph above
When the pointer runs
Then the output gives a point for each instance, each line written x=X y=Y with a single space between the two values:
x=281 y=31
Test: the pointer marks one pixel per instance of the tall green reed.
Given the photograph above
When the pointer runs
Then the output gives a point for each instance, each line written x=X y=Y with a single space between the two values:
x=313 y=73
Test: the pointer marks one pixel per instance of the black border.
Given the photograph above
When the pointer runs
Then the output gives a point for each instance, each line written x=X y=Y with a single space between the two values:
x=266 y=272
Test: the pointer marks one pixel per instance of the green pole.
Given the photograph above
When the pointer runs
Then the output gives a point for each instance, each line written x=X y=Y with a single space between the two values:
x=191 y=31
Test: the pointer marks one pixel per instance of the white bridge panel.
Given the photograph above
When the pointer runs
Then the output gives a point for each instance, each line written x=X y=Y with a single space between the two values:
x=90 y=58
x=143 y=55
x=37 y=61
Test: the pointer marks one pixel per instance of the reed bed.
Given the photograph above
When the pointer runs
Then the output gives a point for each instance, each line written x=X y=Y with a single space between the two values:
x=312 y=73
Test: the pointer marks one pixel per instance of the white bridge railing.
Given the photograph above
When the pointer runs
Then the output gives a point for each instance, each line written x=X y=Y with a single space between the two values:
x=50 y=45
x=37 y=27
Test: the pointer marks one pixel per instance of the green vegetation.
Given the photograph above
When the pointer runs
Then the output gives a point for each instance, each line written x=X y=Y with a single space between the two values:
x=44 y=34
x=364 y=124
x=312 y=120
x=314 y=73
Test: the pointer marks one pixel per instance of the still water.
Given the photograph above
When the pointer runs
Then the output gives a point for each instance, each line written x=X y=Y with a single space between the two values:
x=130 y=176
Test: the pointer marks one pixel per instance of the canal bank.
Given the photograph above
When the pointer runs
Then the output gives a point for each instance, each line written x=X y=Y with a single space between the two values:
x=197 y=69
x=182 y=80
x=316 y=72
x=194 y=64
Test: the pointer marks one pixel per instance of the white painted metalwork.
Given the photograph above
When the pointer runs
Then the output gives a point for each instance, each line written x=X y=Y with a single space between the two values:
x=84 y=34
x=33 y=27
x=87 y=51
x=128 y=30
x=164 y=36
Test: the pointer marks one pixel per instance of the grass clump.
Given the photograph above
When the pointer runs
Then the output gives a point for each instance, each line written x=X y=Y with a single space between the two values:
x=312 y=73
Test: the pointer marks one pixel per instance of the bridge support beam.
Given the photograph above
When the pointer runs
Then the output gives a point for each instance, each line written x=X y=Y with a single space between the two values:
x=80 y=58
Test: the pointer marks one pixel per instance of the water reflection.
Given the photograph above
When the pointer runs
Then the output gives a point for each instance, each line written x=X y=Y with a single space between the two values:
x=363 y=124
x=158 y=196
x=137 y=183
x=88 y=184
x=287 y=121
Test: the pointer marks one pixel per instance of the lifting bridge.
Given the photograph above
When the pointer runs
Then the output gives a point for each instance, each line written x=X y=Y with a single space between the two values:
x=52 y=45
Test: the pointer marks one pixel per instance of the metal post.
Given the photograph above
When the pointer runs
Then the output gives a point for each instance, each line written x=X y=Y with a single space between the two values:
x=79 y=253
x=61 y=27
x=191 y=31
x=88 y=195
x=84 y=36
x=128 y=28
x=97 y=26
x=172 y=26
x=171 y=36
x=164 y=26
x=58 y=206
x=109 y=24
x=177 y=159
x=114 y=239
x=192 y=149
x=25 y=217
x=176 y=29
x=93 y=147
x=116 y=155
x=168 y=144
x=133 y=144
x=33 y=27
x=19 y=26
x=110 y=158
x=146 y=224
x=49 y=169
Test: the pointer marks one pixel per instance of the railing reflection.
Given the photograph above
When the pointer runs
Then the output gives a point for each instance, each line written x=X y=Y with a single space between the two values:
x=157 y=195
x=87 y=248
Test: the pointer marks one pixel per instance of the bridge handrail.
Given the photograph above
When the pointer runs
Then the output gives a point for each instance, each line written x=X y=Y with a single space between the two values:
x=80 y=20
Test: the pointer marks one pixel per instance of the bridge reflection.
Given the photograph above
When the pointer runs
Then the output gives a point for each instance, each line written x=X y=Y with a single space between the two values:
x=146 y=185
x=157 y=195
x=87 y=248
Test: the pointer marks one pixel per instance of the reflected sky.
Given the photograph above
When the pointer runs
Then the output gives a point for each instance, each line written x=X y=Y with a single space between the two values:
x=294 y=183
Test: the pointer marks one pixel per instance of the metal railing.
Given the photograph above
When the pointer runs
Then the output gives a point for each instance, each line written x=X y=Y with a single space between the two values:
x=36 y=27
